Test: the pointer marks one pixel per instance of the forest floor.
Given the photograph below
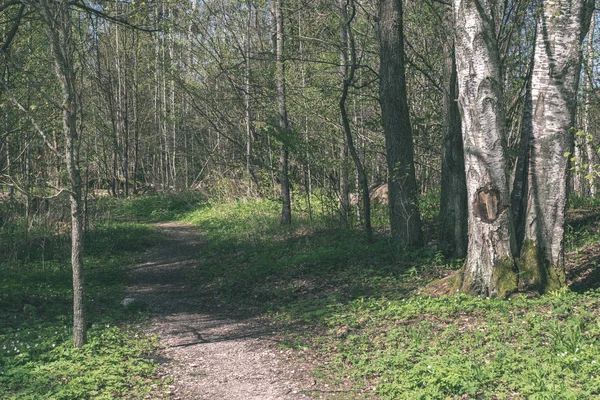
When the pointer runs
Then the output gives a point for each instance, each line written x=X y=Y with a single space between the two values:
x=209 y=353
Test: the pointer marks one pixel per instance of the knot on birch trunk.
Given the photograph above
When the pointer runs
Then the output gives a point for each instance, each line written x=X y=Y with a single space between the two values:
x=487 y=205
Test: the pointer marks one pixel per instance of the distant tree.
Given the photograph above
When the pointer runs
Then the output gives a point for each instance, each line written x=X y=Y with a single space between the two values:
x=284 y=178
x=453 y=226
x=405 y=220
x=348 y=75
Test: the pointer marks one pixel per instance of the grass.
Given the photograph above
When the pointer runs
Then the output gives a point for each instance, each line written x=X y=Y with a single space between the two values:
x=157 y=208
x=355 y=309
x=37 y=359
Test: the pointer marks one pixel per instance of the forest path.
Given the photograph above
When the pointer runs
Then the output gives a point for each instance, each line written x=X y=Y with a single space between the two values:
x=208 y=355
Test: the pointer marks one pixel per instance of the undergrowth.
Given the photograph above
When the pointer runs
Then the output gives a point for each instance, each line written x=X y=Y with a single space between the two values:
x=355 y=309
x=37 y=358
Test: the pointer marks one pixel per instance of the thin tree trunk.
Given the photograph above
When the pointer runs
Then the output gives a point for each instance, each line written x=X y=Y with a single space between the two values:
x=590 y=147
x=307 y=169
x=405 y=220
x=348 y=75
x=286 y=209
x=344 y=172
x=247 y=99
x=489 y=266
x=453 y=226
x=57 y=20
x=557 y=63
x=136 y=122
x=520 y=182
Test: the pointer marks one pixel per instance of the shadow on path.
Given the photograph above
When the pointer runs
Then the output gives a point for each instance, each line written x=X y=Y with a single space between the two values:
x=211 y=355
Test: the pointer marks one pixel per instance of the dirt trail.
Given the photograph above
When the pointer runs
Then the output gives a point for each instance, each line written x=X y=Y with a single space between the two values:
x=209 y=356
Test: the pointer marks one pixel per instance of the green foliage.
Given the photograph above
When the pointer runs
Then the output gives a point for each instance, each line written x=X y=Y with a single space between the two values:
x=355 y=308
x=37 y=358
x=161 y=207
x=250 y=260
x=450 y=347
x=586 y=202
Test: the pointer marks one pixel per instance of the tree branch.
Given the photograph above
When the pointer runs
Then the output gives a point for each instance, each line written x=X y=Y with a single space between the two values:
x=33 y=121
x=82 y=6
x=14 y=29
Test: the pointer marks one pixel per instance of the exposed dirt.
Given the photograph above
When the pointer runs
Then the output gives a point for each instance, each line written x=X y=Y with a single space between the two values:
x=209 y=355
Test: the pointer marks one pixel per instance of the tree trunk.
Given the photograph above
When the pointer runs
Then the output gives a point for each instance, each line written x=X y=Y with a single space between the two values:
x=453 y=226
x=489 y=266
x=344 y=172
x=557 y=63
x=590 y=147
x=286 y=209
x=405 y=220
x=520 y=182
x=348 y=78
x=57 y=21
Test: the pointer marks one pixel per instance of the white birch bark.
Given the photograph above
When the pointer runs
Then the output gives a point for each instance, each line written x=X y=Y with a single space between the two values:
x=489 y=265
x=590 y=147
x=561 y=28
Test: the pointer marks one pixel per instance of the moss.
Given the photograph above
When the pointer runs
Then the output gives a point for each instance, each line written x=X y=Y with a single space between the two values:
x=445 y=286
x=467 y=283
x=556 y=279
x=505 y=278
x=504 y=281
x=536 y=273
x=530 y=276
x=455 y=283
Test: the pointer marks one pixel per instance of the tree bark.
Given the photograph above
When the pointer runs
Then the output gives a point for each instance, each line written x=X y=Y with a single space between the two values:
x=453 y=226
x=286 y=209
x=57 y=20
x=489 y=266
x=405 y=220
x=348 y=78
x=590 y=147
x=344 y=171
x=562 y=25
x=520 y=183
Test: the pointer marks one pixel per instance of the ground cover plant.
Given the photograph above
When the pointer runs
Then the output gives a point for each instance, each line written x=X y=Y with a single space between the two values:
x=361 y=311
x=37 y=358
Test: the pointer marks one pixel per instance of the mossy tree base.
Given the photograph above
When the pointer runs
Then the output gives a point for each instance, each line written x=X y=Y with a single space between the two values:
x=503 y=281
x=536 y=273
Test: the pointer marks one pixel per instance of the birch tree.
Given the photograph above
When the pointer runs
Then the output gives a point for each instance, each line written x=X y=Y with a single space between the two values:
x=562 y=26
x=489 y=266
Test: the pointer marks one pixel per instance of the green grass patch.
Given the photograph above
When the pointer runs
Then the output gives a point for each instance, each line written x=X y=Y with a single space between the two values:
x=37 y=359
x=160 y=207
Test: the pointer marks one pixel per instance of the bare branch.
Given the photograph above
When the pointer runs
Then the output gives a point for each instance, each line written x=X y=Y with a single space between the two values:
x=13 y=31
x=82 y=6
x=33 y=121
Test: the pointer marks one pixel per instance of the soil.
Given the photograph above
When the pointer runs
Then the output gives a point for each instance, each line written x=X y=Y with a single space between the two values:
x=207 y=354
